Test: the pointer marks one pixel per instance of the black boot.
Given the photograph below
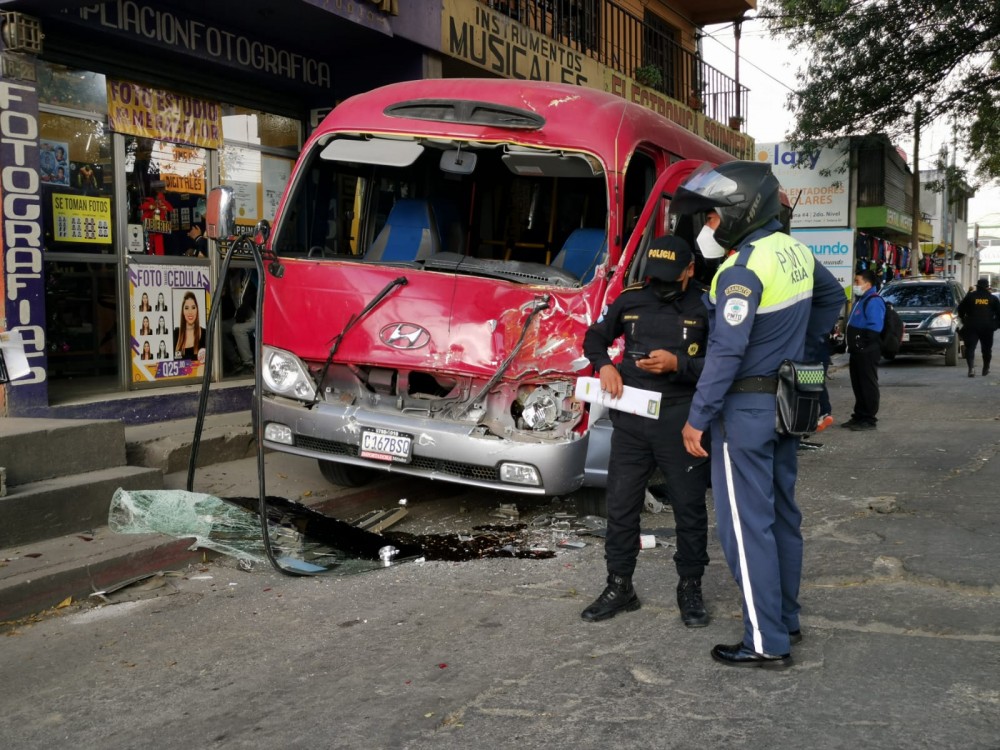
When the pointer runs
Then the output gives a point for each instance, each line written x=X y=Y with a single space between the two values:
x=986 y=365
x=618 y=596
x=690 y=603
x=972 y=370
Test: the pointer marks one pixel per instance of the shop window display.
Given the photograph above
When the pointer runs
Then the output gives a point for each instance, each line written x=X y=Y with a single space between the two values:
x=75 y=164
x=81 y=311
x=166 y=189
x=76 y=176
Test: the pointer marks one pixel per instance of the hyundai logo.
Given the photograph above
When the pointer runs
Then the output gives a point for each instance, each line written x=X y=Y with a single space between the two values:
x=404 y=336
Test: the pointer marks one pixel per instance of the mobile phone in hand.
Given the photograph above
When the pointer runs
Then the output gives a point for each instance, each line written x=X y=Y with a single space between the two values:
x=634 y=354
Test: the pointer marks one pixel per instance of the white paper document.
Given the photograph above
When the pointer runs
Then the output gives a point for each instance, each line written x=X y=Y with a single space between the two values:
x=12 y=351
x=634 y=400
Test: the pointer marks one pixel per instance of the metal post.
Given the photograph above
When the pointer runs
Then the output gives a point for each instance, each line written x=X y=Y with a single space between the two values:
x=945 y=215
x=915 y=255
x=737 y=33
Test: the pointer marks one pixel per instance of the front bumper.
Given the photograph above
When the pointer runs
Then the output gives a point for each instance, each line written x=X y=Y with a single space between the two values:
x=443 y=450
x=927 y=341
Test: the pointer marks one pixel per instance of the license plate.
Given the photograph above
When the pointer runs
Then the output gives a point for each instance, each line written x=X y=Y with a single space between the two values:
x=906 y=337
x=386 y=445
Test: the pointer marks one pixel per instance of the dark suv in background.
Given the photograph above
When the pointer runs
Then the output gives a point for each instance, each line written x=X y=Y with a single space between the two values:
x=929 y=310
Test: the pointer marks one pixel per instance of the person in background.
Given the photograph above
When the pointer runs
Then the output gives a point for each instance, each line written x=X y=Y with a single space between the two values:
x=766 y=301
x=864 y=325
x=665 y=326
x=979 y=312
x=244 y=322
x=197 y=242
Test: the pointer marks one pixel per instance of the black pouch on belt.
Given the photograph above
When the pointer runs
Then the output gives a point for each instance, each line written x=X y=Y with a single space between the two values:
x=799 y=388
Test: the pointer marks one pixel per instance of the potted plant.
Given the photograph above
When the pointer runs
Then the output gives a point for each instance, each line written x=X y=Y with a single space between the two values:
x=649 y=75
x=735 y=122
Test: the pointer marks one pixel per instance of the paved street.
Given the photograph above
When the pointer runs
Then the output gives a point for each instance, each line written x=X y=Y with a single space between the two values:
x=901 y=622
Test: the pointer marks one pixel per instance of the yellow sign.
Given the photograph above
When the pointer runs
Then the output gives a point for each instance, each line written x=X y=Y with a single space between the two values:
x=493 y=41
x=80 y=218
x=620 y=85
x=731 y=141
x=157 y=113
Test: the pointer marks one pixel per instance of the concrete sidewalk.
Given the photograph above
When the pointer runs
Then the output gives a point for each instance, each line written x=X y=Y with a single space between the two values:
x=40 y=575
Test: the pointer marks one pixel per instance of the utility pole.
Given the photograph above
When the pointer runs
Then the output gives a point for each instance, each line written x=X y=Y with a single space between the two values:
x=915 y=254
x=945 y=212
x=737 y=33
x=975 y=249
x=955 y=196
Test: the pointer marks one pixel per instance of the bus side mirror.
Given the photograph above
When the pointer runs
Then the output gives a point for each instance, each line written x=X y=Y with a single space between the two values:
x=219 y=221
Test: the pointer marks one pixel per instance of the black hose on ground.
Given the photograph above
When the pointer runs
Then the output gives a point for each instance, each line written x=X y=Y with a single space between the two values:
x=242 y=243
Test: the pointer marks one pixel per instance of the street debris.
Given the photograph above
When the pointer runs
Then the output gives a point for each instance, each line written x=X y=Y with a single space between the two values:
x=306 y=541
x=508 y=511
x=378 y=521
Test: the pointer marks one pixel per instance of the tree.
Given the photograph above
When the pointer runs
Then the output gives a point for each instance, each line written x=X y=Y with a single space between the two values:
x=870 y=61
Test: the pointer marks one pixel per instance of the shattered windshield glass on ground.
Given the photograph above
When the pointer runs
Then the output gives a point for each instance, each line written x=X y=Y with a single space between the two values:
x=307 y=541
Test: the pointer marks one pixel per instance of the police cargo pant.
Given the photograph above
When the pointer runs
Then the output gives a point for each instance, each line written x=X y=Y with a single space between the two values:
x=973 y=335
x=639 y=445
x=758 y=522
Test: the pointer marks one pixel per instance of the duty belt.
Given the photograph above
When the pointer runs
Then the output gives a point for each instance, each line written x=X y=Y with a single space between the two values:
x=755 y=384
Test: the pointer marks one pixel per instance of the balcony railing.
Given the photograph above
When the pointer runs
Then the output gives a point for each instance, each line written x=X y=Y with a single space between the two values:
x=621 y=40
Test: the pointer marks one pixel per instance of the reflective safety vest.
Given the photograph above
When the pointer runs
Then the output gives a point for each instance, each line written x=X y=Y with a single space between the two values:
x=784 y=266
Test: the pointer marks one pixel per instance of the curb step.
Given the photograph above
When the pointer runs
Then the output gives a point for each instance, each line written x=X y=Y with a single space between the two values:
x=40 y=575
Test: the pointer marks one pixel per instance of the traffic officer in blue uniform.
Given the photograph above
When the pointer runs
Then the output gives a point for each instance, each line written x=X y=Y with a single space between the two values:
x=766 y=300
x=665 y=325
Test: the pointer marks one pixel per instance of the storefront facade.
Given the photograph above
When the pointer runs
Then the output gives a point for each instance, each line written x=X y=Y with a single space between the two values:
x=113 y=134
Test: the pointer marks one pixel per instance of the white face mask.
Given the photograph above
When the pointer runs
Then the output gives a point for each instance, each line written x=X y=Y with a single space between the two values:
x=859 y=290
x=710 y=249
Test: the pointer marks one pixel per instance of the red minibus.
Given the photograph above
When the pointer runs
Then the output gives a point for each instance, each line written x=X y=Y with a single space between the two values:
x=441 y=248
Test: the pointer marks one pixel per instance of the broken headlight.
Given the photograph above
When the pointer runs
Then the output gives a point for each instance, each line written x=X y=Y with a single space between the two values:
x=285 y=375
x=541 y=408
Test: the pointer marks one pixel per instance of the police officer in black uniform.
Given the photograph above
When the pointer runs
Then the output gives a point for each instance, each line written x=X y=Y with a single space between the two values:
x=980 y=314
x=665 y=324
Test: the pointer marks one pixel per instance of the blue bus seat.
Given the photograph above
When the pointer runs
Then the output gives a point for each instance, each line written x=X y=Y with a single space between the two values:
x=582 y=252
x=410 y=233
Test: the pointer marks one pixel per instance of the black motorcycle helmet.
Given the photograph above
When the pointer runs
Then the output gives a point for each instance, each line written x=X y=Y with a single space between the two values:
x=745 y=194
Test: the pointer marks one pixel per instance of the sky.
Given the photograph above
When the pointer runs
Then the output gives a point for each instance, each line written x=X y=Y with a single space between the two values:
x=768 y=69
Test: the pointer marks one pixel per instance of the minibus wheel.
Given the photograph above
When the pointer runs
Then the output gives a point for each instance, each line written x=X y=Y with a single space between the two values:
x=591 y=501
x=345 y=475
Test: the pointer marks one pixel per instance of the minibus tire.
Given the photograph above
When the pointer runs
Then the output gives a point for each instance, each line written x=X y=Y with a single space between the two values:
x=345 y=475
x=591 y=501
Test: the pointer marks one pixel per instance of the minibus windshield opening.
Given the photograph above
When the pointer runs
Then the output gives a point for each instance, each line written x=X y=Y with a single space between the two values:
x=515 y=212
